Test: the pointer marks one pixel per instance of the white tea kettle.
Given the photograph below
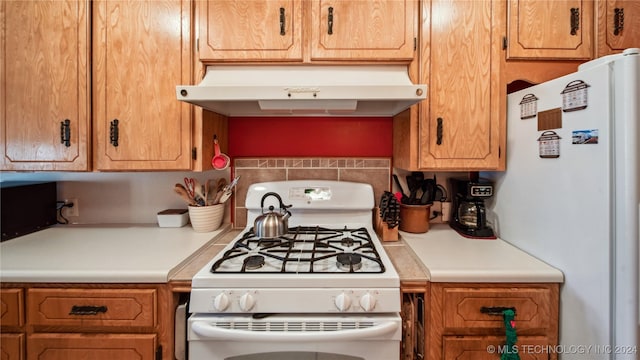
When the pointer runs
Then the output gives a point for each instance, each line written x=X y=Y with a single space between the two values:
x=272 y=224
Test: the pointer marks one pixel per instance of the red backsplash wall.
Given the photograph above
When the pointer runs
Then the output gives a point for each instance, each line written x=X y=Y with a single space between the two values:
x=310 y=136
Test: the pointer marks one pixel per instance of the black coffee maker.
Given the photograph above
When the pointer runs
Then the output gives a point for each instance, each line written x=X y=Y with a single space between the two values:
x=468 y=212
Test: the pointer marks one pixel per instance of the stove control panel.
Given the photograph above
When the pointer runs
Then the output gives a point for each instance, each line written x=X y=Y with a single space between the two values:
x=295 y=300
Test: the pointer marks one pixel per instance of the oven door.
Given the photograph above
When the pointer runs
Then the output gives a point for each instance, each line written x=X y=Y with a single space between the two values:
x=294 y=337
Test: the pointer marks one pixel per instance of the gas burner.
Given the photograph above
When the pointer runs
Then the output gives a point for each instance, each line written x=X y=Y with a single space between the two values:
x=347 y=242
x=253 y=262
x=349 y=262
x=269 y=242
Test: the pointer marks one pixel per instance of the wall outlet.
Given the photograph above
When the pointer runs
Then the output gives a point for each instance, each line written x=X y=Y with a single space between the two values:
x=74 y=210
x=446 y=211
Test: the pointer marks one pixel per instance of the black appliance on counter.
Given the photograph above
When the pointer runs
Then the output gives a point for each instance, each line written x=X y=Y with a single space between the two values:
x=26 y=207
x=468 y=212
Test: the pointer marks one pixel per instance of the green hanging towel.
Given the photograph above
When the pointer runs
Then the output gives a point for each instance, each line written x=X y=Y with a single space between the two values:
x=511 y=352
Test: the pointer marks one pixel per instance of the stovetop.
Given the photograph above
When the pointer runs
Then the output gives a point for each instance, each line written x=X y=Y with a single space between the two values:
x=305 y=249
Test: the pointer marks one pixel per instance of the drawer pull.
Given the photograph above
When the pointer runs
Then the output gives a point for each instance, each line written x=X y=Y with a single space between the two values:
x=495 y=310
x=87 y=310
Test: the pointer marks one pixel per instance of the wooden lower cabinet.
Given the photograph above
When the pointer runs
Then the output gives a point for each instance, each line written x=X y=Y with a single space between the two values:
x=465 y=320
x=91 y=346
x=492 y=347
x=47 y=321
x=12 y=346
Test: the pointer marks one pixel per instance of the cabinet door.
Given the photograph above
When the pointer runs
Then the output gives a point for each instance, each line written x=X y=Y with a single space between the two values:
x=12 y=346
x=363 y=30
x=11 y=307
x=91 y=346
x=44 y=83
x=141 y=53
x=618 y=25
x=463 y=126
x=559 y=29
x=254 y=30
x=492 y=347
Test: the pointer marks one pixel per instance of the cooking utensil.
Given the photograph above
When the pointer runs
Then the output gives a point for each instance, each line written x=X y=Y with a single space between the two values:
x=272 y=224
x=219 y=161
x=183 y=193
x=404 y=198
x=428 y=191
x=189 y=184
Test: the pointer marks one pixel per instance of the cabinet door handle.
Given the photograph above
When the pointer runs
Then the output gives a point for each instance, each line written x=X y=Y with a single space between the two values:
x=618 y=21
x=496 y=310
x=439 y=132
x=114 y=133
x=87 y=310
x=330 y=21
x=282 y=23
x=575 y=20
x=65 y=132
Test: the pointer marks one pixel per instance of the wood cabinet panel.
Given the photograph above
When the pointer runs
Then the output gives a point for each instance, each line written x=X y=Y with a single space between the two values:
x=88 y=309
x=463 y=308
x=255 y=30
x=376 y=30
x=12 y=346
x=91 y=346
x=44 y=81
x=462 y=122
x=141 y=52
x=618 y=25
x=11 y=307
x=458 y=328
x=561 y=29
x=491 y=347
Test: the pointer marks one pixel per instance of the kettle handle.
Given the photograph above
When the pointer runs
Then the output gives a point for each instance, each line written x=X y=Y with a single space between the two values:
x=282 y=205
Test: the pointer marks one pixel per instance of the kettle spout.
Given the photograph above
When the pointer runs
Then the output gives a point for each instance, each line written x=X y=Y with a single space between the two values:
x=286 y=215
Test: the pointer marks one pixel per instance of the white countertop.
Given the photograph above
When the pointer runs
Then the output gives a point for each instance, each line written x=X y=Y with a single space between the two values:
x=450 y=257
x=101 y=253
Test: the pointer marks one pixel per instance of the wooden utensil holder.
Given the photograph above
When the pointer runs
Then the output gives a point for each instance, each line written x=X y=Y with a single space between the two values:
x=382 y=229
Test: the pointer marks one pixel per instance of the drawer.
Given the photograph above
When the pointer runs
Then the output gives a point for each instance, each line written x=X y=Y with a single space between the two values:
x=465 y=309
x=491 y=347
x=12 y=346
x=92 y=346
x=11 y=307
x=92 y=308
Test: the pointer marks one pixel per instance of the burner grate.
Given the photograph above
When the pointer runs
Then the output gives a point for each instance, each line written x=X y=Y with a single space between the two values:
x=303 y=250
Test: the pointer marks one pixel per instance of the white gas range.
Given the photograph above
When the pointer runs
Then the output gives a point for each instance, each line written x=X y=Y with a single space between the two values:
x=326 y=289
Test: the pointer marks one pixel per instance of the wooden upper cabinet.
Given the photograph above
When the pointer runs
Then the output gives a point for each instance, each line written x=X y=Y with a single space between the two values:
x=462 y=122
x=141 y=52
x=559 y=29
x=363 y=30
x=253 y=30
x=618 y=25
x=44 y=85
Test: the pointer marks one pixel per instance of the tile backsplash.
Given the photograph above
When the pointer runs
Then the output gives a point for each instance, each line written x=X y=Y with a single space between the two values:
x=375 y=171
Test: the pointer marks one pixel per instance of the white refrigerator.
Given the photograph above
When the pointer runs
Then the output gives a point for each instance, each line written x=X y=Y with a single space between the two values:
x=570 y=197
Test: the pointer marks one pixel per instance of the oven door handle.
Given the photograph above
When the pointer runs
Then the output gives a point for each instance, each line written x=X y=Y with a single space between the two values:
x=208 y=331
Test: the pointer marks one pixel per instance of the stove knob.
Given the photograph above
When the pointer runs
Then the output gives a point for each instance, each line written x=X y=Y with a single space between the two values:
x=343 y=302
x=221 y=302
x=367 y=302
x=246 y=302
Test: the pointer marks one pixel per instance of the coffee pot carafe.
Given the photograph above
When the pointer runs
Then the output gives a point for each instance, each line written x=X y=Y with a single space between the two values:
x=468 y=211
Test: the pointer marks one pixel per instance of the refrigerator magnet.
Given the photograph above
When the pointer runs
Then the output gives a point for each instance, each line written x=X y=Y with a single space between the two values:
x=549 y=145
x=528 y=106
x=584 y=136
x=574 y=96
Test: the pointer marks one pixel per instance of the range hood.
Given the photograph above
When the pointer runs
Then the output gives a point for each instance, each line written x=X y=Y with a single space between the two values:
x=380 y=90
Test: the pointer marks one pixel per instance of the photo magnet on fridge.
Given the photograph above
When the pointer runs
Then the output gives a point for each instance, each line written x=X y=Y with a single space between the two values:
x=584 y=136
